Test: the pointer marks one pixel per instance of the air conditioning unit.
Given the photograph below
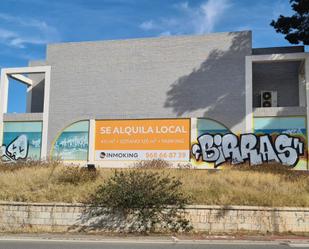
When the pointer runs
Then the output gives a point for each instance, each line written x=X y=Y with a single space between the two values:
x=268 y=98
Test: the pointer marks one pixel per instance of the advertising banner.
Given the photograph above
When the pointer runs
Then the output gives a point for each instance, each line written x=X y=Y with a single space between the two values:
x=167 y=139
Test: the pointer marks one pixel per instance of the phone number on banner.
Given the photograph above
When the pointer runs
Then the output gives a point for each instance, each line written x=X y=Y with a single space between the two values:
x=123 y=155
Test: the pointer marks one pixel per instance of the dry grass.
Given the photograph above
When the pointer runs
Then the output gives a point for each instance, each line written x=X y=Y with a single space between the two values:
x=264 y=186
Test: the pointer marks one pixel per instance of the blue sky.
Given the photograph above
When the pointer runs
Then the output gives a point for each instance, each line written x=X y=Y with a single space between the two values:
x=26 y=26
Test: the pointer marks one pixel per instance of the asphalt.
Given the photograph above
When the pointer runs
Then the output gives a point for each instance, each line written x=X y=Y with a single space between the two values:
x=94 y=242
x=15 y=244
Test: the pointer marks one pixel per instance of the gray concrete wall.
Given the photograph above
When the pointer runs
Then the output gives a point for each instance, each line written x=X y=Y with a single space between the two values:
x=277 y=76
x=35 y=97
x=188 y=76
x=61 y=217
x=22 y=117
x=280 y=111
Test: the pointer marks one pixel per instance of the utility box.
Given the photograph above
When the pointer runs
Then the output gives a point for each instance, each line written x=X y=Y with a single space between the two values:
x=269 y=98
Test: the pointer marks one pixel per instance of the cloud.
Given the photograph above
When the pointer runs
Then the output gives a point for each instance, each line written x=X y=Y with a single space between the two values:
x=281 y=7
x=147 y=25
x=165 y=33
x=6 y=34
x=20 y=32
x=190 y=20
x=211 y=12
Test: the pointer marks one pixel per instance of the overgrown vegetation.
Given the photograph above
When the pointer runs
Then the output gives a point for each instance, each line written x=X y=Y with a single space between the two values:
x=76 y=175
x=152 y=164
x=268 y=185
x=145 y=200
x=34 y=181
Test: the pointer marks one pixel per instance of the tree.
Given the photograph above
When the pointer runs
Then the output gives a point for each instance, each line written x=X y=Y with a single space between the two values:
x=296 y=27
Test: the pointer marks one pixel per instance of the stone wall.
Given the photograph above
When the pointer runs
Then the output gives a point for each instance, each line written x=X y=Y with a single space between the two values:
x=16 y=216
x=249 y=219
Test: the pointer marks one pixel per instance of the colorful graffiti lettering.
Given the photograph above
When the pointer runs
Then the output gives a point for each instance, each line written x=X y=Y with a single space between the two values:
x=219 y=148
x=17 y=149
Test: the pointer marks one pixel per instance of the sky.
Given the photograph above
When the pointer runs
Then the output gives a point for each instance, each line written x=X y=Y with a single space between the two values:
x=26 y=26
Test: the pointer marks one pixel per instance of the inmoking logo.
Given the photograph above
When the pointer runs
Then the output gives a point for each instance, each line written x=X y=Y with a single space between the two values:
x=102 y=155
x=118 y=155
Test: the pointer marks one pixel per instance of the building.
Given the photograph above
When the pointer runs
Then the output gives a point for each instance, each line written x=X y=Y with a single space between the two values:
x=112 y=102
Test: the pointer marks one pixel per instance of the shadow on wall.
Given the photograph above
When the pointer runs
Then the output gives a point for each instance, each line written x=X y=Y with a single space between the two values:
x=217 y=88
x=93 y=219
x=37 y=97
x=89 y=222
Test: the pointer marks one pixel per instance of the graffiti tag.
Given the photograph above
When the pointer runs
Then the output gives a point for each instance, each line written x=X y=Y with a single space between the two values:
x=248 y=147
x=17 y=149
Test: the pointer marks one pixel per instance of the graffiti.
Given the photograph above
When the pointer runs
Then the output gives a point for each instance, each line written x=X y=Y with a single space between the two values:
x=17 y=149
x=73 y=142
x=218 y=149
x=293 y=131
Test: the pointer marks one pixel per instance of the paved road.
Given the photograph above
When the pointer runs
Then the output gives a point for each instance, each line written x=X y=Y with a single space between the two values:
x=59 y=244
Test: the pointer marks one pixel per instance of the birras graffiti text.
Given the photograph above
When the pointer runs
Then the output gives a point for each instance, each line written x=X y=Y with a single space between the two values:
x=219 y=149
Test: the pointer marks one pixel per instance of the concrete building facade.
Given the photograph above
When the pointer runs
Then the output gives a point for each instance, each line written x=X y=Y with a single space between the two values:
x=214 y=81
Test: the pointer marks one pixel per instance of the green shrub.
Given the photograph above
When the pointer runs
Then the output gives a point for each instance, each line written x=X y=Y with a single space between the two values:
x=146 y=200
